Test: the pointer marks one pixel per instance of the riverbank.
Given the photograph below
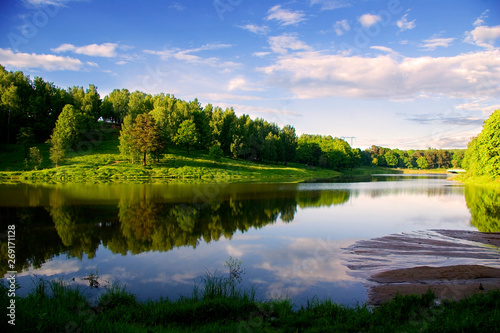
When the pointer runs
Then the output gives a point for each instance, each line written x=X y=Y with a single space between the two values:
x=214 y=306
x=454 y=264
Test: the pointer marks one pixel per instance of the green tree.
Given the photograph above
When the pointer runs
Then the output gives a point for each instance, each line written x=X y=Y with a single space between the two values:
x=126 y=145
x=11 y=101
x=483 y=152
x=115 y=106
x=290 y=144
x=35 y=157
x=215 y=152
x=391 y=159
x=422 y=162
x=57 y=150
x=145 y=136
x=25 y=138
x=186 y=134
x=68 y=126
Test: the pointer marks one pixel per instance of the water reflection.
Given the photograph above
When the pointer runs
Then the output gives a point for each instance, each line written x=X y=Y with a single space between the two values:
x=142 y=221
x=484 y=206
x=168 y=234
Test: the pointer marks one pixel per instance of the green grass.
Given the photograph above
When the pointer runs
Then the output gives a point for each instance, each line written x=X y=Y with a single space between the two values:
x=100 y=161
x=478 y=180
x=53 y=306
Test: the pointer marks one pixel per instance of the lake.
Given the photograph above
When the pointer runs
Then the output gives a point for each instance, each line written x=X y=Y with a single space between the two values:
x=159 y=239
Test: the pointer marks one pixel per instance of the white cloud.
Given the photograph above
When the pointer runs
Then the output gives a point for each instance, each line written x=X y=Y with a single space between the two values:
x=256 y=29
x=403 y=24
x=284 y=16
x=331 y=4
x=239 y=83
x=482 y=105
x=107 y=50
x=383 y=49
x=48 y=62
x=480 y=20
x=261 y=54
x=317 y=75
x=367 y=20
x=281 y=44
x=186 y=56
x=40 y=3
x=433 y=43
x=483 y=36
x=341 y=27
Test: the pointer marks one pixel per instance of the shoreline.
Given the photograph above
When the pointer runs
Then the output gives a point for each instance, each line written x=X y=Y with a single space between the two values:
x=452 y=263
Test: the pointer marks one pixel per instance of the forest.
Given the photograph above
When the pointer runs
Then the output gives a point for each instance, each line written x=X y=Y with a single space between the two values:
x=36 y=111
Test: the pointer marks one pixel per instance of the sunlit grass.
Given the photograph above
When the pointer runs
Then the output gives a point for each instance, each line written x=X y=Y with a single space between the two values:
x=101 y=161
x=216 y=306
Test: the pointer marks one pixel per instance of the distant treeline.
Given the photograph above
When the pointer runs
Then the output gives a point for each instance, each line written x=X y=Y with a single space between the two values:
x=38 y=111
x=422 y=159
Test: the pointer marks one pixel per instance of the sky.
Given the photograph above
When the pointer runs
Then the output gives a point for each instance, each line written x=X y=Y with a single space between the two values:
x=408 y=74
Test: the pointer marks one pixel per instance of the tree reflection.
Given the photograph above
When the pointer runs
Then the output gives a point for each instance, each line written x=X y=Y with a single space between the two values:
x=147 y=222
x=484 y=206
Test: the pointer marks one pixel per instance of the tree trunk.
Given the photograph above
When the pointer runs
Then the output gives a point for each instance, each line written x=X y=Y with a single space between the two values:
x=144 y=160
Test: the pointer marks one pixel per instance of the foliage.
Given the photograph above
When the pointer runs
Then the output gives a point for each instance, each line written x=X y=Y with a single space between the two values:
x=55 y=306
x=35 y=157
x=215 y=152
x=145 y=136
x=186 y=134
x=484 y=206
x=482 y=157
x=25 y=138
x=423 y=159
x=57 y=150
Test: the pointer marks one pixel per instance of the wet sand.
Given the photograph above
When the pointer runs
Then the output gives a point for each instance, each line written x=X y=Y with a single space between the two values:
x=452 y=263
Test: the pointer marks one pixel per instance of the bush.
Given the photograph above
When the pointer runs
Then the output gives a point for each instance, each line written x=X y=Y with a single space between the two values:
x=215 y=152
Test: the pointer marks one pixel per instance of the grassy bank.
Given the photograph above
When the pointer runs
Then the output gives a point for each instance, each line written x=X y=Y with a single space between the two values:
x=424 y=171
x=481 y=181
x=216 y=306
x=101 y=162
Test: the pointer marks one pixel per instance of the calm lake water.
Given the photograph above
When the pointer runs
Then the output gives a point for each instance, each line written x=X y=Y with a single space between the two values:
x=158 y=239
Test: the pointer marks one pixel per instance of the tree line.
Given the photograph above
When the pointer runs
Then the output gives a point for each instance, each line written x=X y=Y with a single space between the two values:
x=421 y=159
x=38 y=111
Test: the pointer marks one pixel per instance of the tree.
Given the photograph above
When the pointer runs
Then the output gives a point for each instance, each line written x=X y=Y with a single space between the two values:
x=57 y=150
x=11 y=100
x=290 y=144
x=215 y=152
x=422 y=162
x=483 y=152
x=68 y=126
x=145 y=136
x=35 y=157
x=126 y=145
x=391 y=159
x=186 y=134
x=116 y=105
x=25 y=138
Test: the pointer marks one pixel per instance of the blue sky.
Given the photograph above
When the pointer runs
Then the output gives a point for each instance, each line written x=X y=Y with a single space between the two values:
x=394 y=73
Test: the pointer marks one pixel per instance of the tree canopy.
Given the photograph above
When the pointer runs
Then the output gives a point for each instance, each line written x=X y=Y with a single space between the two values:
x=482 y=157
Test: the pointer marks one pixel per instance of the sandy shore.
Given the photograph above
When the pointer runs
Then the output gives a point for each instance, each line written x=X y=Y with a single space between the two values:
x=452 y=263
